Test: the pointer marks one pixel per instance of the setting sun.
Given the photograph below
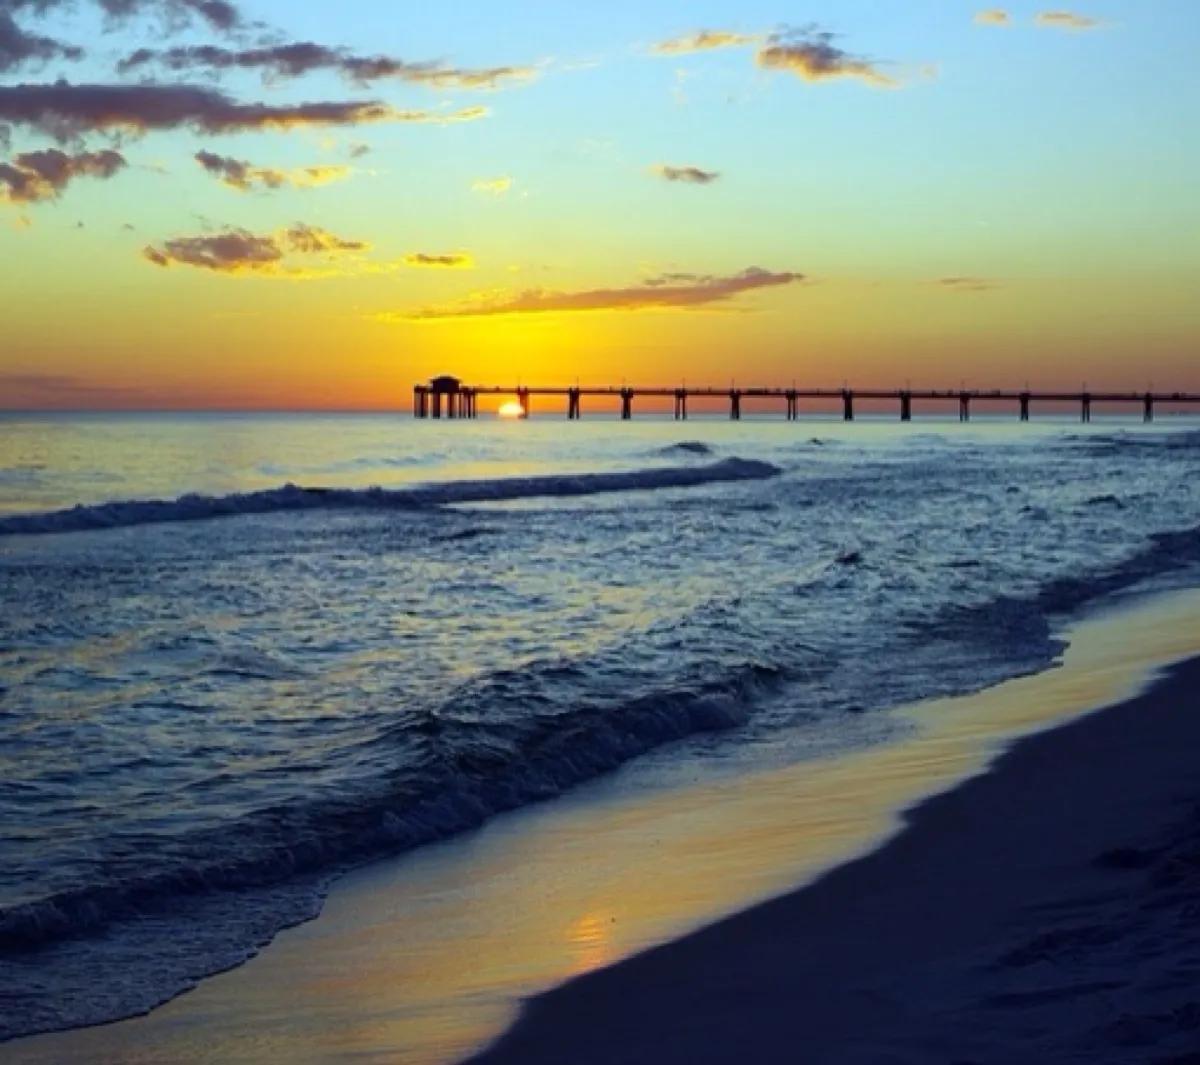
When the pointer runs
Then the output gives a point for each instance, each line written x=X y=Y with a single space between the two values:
x=510 y=409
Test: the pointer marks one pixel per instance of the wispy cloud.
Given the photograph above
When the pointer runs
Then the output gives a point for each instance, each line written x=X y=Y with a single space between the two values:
x=19 y=46
x=496 y=186
x=993 y=16
x=812 y=56
x=676 y=291
x=966 y=283
x=216 y=14
x=704 y=41
x=457 y=260
x=66 y=112
x=34 y=177
x=1066 y=20
x=690 y=175
x=303 y=57
x=30 y=389
x=238 y=251
x=244 y=176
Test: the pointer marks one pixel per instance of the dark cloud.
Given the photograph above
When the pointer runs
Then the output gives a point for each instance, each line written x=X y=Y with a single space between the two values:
x=218 y=14
x=35 y=177
x=810 y=54
x=66 y=112
x=233 y=250
x=19 y=46
x=691 y=175
x=302 y=57
x=243 y=176
x=678 y=291
x=238 y=251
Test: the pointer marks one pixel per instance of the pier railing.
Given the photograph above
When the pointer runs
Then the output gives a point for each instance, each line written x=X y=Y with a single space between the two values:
x=442 y=399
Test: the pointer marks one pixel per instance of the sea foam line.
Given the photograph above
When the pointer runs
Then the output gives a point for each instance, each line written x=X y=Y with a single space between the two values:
x=291 y=497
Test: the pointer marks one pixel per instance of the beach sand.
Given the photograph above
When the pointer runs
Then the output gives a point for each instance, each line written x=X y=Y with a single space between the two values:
x=1044 y=912
x=1038 y=912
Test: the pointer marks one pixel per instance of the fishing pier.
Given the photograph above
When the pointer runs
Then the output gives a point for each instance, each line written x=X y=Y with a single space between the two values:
x=448 y=397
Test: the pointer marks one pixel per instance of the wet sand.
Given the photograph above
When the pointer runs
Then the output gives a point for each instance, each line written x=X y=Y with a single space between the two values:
x=424 y=958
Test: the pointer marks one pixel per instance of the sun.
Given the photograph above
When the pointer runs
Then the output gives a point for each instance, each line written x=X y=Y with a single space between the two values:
x=511 y=409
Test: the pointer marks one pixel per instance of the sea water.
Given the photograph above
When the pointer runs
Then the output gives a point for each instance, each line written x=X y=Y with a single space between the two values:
x=242 y=653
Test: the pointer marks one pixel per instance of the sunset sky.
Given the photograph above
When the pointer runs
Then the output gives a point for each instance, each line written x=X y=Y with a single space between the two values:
x=264 y=204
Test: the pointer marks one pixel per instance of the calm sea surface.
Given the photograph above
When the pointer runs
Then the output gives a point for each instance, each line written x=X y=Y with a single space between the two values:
x=219 y=688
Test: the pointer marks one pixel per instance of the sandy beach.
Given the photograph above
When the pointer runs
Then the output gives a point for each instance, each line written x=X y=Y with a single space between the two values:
x=1041 y=912
x=1028 y=914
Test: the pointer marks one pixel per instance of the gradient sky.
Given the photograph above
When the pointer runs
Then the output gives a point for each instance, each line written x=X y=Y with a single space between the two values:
x=858 y=190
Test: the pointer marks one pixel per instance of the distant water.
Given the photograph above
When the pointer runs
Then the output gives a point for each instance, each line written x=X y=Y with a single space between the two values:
x=218 y=687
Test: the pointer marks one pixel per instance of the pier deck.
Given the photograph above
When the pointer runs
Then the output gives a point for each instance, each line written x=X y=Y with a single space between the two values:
x=450 y=398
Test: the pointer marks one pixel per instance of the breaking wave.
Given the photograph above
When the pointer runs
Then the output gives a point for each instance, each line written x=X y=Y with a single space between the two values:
x=293 y=497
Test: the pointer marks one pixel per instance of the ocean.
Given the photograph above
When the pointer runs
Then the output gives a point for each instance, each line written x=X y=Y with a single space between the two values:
x=241 y=654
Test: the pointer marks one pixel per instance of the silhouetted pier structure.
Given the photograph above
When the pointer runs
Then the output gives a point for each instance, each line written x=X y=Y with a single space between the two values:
x=456 y=400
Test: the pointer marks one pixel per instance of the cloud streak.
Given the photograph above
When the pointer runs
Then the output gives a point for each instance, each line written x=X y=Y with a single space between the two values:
x=244 y=176
x=239 y=251
x=36 y=177
x=297 y=58
x=994 y=16
x=966 y=283
x=66 y=112
x=704 y=41
x=458 y=260
x=689 y=175
x=1065 y=20
x=496 y=186
x=675 y=291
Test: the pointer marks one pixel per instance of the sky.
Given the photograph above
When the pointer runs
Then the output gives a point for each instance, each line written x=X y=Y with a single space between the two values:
x=257 y=204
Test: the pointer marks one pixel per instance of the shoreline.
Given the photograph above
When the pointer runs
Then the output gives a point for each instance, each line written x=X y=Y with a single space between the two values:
x=1041 y=911
x=422 y=958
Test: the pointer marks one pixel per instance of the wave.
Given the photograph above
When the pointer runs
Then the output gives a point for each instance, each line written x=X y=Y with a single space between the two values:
x=474 y=759
x=291 y=497
x=472 y=755
x=469 y=771
x=1135 y=441
x=685 y=447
